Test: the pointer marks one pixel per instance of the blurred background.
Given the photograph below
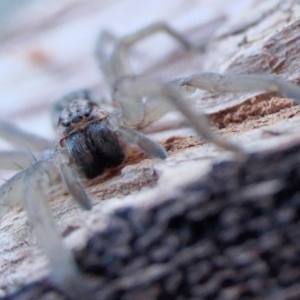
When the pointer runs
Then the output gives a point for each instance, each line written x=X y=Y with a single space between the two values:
x=47 y=47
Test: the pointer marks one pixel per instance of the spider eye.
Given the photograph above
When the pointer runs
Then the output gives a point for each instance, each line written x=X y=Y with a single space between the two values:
x=87 y=113
x=76 y=118
x=65 y=123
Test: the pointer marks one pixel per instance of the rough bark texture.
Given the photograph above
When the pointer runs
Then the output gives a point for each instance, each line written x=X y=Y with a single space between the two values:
x=212 y=239
x=200 y=225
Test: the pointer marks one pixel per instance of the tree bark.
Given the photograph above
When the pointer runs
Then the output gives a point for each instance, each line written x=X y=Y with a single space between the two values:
x=203 y=224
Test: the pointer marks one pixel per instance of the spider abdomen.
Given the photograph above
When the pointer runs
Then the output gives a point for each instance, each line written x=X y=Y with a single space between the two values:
x=95 y=148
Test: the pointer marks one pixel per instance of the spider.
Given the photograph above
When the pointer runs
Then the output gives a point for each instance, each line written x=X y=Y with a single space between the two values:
x=91 y=140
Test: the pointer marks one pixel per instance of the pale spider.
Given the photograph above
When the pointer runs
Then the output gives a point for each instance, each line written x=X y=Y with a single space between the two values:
x=90 y=140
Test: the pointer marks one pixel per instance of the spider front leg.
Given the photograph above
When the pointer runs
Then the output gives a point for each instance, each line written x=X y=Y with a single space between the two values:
x=156 y=105
x=31 y=185
x=61 y=262
x=112 y=53
x=163 y=97
x=22 y=139
x=72 y=180
x=29 y=145
x=214 y=82
x=230 y=83
x=18 y=160
x=139 y=105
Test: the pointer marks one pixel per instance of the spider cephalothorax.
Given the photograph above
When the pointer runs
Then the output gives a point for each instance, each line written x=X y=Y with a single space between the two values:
x=83 y=130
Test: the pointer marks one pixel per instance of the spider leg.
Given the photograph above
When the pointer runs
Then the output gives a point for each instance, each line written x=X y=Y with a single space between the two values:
x=147 y=145
x=136 y=113
x=118 y=62
x=64 y=270
x=132 y=88
x=104 y=47
x=72 y=180
x=155 y=107
x=115 y=66
x=12 y=190
x=16 y=160
x=23 y=139
x=215 y=82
